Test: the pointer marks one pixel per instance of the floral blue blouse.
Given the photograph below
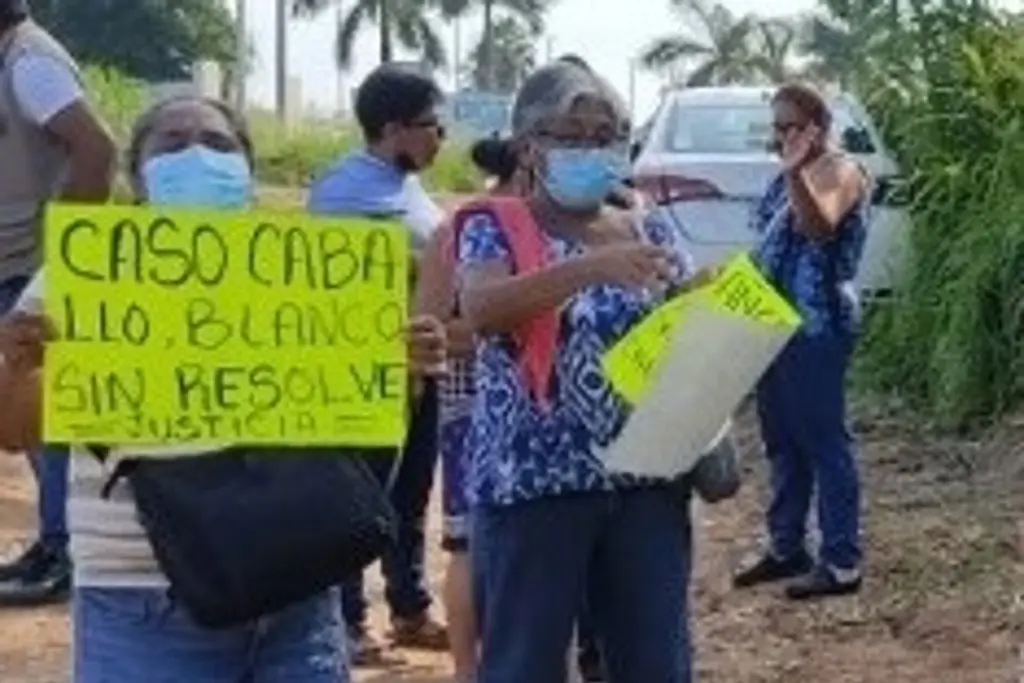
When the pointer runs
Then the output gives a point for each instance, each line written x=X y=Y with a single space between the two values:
x=519 y=451
x=816 y=278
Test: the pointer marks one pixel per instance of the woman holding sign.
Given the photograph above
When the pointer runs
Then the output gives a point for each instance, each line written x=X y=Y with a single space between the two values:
x=130 y=622
x=813 y=219
x=550 y=285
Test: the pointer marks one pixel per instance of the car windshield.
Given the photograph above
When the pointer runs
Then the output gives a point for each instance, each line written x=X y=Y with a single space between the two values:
x=716 y=129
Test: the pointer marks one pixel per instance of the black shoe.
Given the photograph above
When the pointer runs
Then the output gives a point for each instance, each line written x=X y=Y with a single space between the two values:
x=770 y=569
x=24 y=564
x=821 y=583
x=42 y=575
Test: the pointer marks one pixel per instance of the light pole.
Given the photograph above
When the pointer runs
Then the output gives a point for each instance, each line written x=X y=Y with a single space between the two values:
x=341 y=84
x=281 y=57
x=242 y=55
x=632 y=89
x=457 y=40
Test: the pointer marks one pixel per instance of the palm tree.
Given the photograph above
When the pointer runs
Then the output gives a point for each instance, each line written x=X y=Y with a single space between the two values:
x=513 y=57
x=529 y=12
x=776 y=46
x=405 y=22
x=840 y=39
x=725 y=55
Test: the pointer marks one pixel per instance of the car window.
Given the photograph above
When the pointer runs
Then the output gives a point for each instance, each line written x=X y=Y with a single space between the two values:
x=713 y=129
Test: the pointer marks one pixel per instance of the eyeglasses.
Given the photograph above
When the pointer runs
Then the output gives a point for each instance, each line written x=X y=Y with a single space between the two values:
x=784 y=127
x=425 y=124
x=573 y=141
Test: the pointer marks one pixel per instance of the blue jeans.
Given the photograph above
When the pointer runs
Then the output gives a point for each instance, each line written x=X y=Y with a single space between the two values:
x=533 y=563
x=802 y=408
x=127 y=635
x=403 y=564
x=49 y=464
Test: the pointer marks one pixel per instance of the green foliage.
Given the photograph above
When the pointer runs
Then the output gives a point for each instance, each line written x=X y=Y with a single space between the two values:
x=284 y=157
x=726 y=48
x=948 y=86
x=155 y=40
x=406 y=22
x=292 y=157
x=514 y=55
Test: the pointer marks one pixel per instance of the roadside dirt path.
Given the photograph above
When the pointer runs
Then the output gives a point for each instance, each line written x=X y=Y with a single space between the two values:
x=942 y=602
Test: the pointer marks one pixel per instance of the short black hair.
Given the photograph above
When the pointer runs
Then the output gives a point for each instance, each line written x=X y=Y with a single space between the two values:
x=393 y=94
x=575 y=60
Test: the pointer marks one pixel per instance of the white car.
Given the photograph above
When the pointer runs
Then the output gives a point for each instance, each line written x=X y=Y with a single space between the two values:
x=703 y=159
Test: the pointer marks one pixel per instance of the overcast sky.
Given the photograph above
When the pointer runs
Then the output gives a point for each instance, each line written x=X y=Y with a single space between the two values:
x=607 y=33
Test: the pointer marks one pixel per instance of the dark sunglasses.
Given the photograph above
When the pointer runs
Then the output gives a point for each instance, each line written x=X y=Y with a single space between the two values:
x=785 y=128
x=438 y=127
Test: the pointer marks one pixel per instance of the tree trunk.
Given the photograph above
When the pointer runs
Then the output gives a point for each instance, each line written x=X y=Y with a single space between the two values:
x=488 y=46
x=386 y=48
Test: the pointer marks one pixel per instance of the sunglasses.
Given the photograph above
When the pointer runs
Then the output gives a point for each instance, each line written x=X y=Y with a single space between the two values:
x=784 y=128
x=425 y=124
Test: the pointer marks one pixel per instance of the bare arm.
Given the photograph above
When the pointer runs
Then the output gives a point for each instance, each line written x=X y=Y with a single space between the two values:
x=22 y=336
x=21 y=420
x=822 y=193
x=497 y=301
x=435 y=294
x=92 y=155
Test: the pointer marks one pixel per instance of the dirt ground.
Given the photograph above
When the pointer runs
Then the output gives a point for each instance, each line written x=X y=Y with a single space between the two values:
x=943 y=603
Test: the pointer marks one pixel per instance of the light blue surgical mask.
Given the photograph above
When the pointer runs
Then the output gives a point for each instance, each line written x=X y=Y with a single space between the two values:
x=580 y=179
x=199 y=176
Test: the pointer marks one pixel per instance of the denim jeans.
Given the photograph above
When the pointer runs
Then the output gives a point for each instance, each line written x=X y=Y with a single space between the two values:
x=628 y=552
x=410 y=487
x=128 y=635
x=802 y=409
x=49 y=464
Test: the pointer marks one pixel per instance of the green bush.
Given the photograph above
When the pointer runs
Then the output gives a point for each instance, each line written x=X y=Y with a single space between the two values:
x=952 y=344
x=285 y=157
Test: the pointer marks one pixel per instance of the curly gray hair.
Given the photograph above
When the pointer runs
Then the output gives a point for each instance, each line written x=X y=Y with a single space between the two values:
x=552 y=90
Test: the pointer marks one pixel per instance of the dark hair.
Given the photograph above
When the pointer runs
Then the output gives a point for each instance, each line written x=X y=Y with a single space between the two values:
x=808 y=100
x=393 y=94
x=496 y=157
x=575 y=60
x=620 y=198
x=144 y=126
x=12 y=12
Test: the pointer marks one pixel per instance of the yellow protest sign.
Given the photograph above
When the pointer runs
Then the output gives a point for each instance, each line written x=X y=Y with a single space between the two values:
x=738 y=290
x=213 y=327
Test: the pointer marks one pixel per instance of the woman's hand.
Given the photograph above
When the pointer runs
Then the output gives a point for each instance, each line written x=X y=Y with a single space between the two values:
x=634 y=265
x=428 y=346
x=798 y=146
x=22 y=336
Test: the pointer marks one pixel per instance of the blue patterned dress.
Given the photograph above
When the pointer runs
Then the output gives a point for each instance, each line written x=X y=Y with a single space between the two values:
x=817 y=278
x=801 y=397
x=521 y=452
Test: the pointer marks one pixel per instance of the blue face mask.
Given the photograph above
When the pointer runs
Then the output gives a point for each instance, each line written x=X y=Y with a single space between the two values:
x=581 y=179
x=199 y=176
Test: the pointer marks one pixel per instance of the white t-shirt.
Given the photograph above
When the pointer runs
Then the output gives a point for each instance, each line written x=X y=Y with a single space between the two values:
x=422 y=216
x=43 y=87
x=31 y=298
